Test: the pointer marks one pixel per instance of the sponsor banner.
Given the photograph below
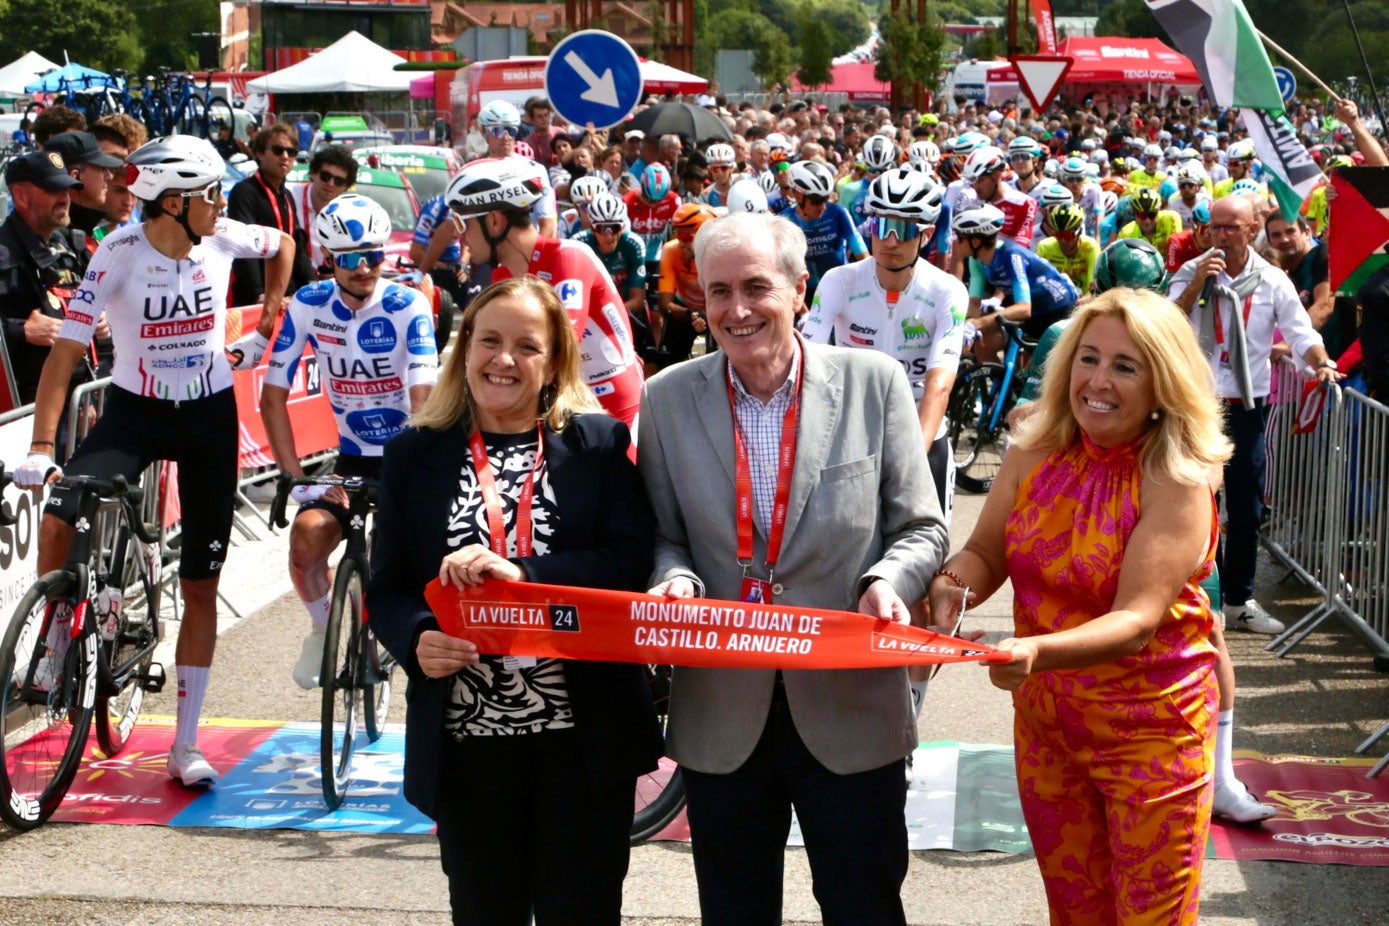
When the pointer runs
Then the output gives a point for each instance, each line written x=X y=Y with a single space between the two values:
x=530 y=619
x=310 y=414
x=1046 y=28
x=19 y=542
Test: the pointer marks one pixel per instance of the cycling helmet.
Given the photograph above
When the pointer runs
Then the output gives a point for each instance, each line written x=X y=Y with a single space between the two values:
x=1152 y=151
x=523 y=149
x=605 y=208
x=1246 y=187
x=968 y=143
x=495 y=183
x=1066 y=217
x=1191 y=172
x=1338 y=160
x=879 y=153
x=1241 y=151
x=767 y=180
x=1051 y=168
x=1023 y=144
x=172 y=164
x=1201 y=213
x=1087 y=144
x=984 y=160
x=1164 y=136
x=689 y=217
x=586 y=189
x=1054 y=194
x=979 y=219
x=778 y=142
x=1099 y=156
x=1146 y=199
x=655 y=182
x=811 y=178
x=907 y=193
x=1171 y=153
x=720 y=154
x=1210 y=144
x=1130 y=262
x=1120 y=165
x=499 y=113
x=352 y=222
x=923 y=152
x=746 y=196
x=1073 y=168
x=1108 y=201
x=1188 y=154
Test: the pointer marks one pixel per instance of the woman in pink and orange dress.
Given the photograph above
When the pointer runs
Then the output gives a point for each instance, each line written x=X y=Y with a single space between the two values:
x=1103 y=518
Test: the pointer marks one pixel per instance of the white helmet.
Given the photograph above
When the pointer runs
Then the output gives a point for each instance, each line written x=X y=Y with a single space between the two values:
x=1209 y=143
x=1054 y=194
x=720 y=154
x=812 y=177
x=879 y=153
x=983 y=160
x=495 y=183
x=352 y=222
x=905 y=192
x=924 y=152
x=587 y=188
x=1241 y=151
x=499 y=112
x=1073 y=168
x=746 y=196
x=1171 y=153
x=978 y=219
x=173 y=163
x=767 y=181
x=605 y=208
x=1087 y=144
x=1023 y=144
x=1052 y=168
x=1152 y=151
x=1191 y=172
x=1109 y=201
x=1188 y=154
x=1099 y=156
x=969 y=142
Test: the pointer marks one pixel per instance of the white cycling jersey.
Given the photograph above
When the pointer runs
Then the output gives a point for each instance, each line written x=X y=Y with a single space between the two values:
x=167 y=317
x=922 y=331
x=369 y=359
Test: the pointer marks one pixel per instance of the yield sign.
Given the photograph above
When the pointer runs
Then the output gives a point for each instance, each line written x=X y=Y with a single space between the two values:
x=1041 y=76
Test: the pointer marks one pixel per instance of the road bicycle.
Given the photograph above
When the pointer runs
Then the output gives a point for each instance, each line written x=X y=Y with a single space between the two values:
x=982 y=397
x=175 y=103
x=660 y=794
x=356 y=672
x=81 y=643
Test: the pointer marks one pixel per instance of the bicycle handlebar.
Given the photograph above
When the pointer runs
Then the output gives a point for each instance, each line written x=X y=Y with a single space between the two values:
x=117 y=489
x=284 y=482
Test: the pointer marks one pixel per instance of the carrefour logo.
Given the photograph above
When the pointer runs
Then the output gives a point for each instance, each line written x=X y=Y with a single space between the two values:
x=376 y=337
x=570 y=293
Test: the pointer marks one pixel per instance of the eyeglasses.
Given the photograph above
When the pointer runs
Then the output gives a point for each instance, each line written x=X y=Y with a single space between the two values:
x=283 y=151
x=497 y=131
x=884 y=226
x=332 y=178
x=608 y=228
x=1066 y=235
x=815 y=199
x=352 y=260
x=1019 y=157
x=210 y=194
x=1225 y=229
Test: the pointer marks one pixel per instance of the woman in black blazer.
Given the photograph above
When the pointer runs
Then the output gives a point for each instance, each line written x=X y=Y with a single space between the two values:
x=528 y=766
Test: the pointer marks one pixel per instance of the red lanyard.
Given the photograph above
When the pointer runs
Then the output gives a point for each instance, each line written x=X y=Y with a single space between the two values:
x=1220 y=328
x=275 y=204
x=786 y=463
x=496 y=519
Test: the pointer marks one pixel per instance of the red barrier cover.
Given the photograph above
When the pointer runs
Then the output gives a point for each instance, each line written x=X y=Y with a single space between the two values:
x=309 y=412
x=530 y=619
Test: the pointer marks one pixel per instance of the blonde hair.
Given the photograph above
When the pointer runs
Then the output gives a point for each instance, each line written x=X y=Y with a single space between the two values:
x=1186 y=441
x=450 y=402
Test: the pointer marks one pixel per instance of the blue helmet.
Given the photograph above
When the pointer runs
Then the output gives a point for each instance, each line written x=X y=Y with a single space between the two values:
x=655 y=182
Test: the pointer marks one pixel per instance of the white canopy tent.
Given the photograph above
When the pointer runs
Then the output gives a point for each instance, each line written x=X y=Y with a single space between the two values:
x=352 y=64
x=16 y=75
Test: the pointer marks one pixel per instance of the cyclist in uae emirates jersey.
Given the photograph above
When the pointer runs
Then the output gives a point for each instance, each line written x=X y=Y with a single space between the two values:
x=163 y=286
x=490 y=198
x=374 y=343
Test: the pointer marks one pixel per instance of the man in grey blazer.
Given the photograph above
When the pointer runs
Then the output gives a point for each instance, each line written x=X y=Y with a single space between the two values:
x=861 y=530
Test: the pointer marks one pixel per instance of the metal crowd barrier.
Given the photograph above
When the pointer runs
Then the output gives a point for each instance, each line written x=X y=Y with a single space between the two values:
x=1328 y=521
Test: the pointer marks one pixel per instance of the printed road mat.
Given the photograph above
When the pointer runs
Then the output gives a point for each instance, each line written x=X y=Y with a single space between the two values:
x=963 y=797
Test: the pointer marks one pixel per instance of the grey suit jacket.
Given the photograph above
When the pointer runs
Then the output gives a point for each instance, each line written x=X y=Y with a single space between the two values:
x=862 y=504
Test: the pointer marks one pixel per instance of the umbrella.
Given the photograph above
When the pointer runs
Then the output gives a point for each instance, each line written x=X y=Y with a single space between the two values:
x=694 y=122
x=69 y=77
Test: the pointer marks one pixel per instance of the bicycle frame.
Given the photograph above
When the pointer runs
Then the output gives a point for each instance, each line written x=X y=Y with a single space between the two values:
x=1011 y=354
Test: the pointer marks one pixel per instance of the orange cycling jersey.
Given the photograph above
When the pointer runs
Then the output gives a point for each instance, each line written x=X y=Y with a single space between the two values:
x=680 y=277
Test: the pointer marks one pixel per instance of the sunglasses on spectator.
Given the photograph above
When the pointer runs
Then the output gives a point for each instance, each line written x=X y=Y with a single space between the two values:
x=815 y=199
x=884 y=226
x=332 y=179
x=608 y=228
x=210 y=194
x=282 y=151
x=352 y=260
x=497 y=131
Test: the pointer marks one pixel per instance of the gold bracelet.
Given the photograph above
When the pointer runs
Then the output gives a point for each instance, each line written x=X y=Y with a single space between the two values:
x=959 y=583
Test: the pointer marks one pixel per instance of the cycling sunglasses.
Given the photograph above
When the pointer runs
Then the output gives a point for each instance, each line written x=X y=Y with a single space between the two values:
x=814 y=199
x=884 y=226
x=1146 y=215
x=332 y=179
x=1019 y=157
x=1067 y=235
x=353 y=260
x=497 y=131
x=285 y=151
x=608 y=228
x=210 y=194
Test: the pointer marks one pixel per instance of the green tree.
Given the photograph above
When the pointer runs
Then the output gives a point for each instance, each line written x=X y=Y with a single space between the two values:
x=1131 y=18
x=847 y=24
x=96 y=33
x=815 y=51
x=910 y=50
x=733 y=28
x=168 y=26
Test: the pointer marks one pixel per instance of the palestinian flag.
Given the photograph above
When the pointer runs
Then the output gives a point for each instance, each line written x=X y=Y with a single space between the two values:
x=1221 y=41
x=1356 y=239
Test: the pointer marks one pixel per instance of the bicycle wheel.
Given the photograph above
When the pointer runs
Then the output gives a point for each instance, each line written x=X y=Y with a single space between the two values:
x=660 y=794
x=340 y=677
x=377 y=666
x=46 y=703
x=962 y=412
x=126 y=658
x=191 y=118
x=979 y=445
x=219 y=110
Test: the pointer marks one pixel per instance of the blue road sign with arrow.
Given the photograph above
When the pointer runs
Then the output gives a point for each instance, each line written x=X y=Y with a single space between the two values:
x=1287 y=83
x=593 y=76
